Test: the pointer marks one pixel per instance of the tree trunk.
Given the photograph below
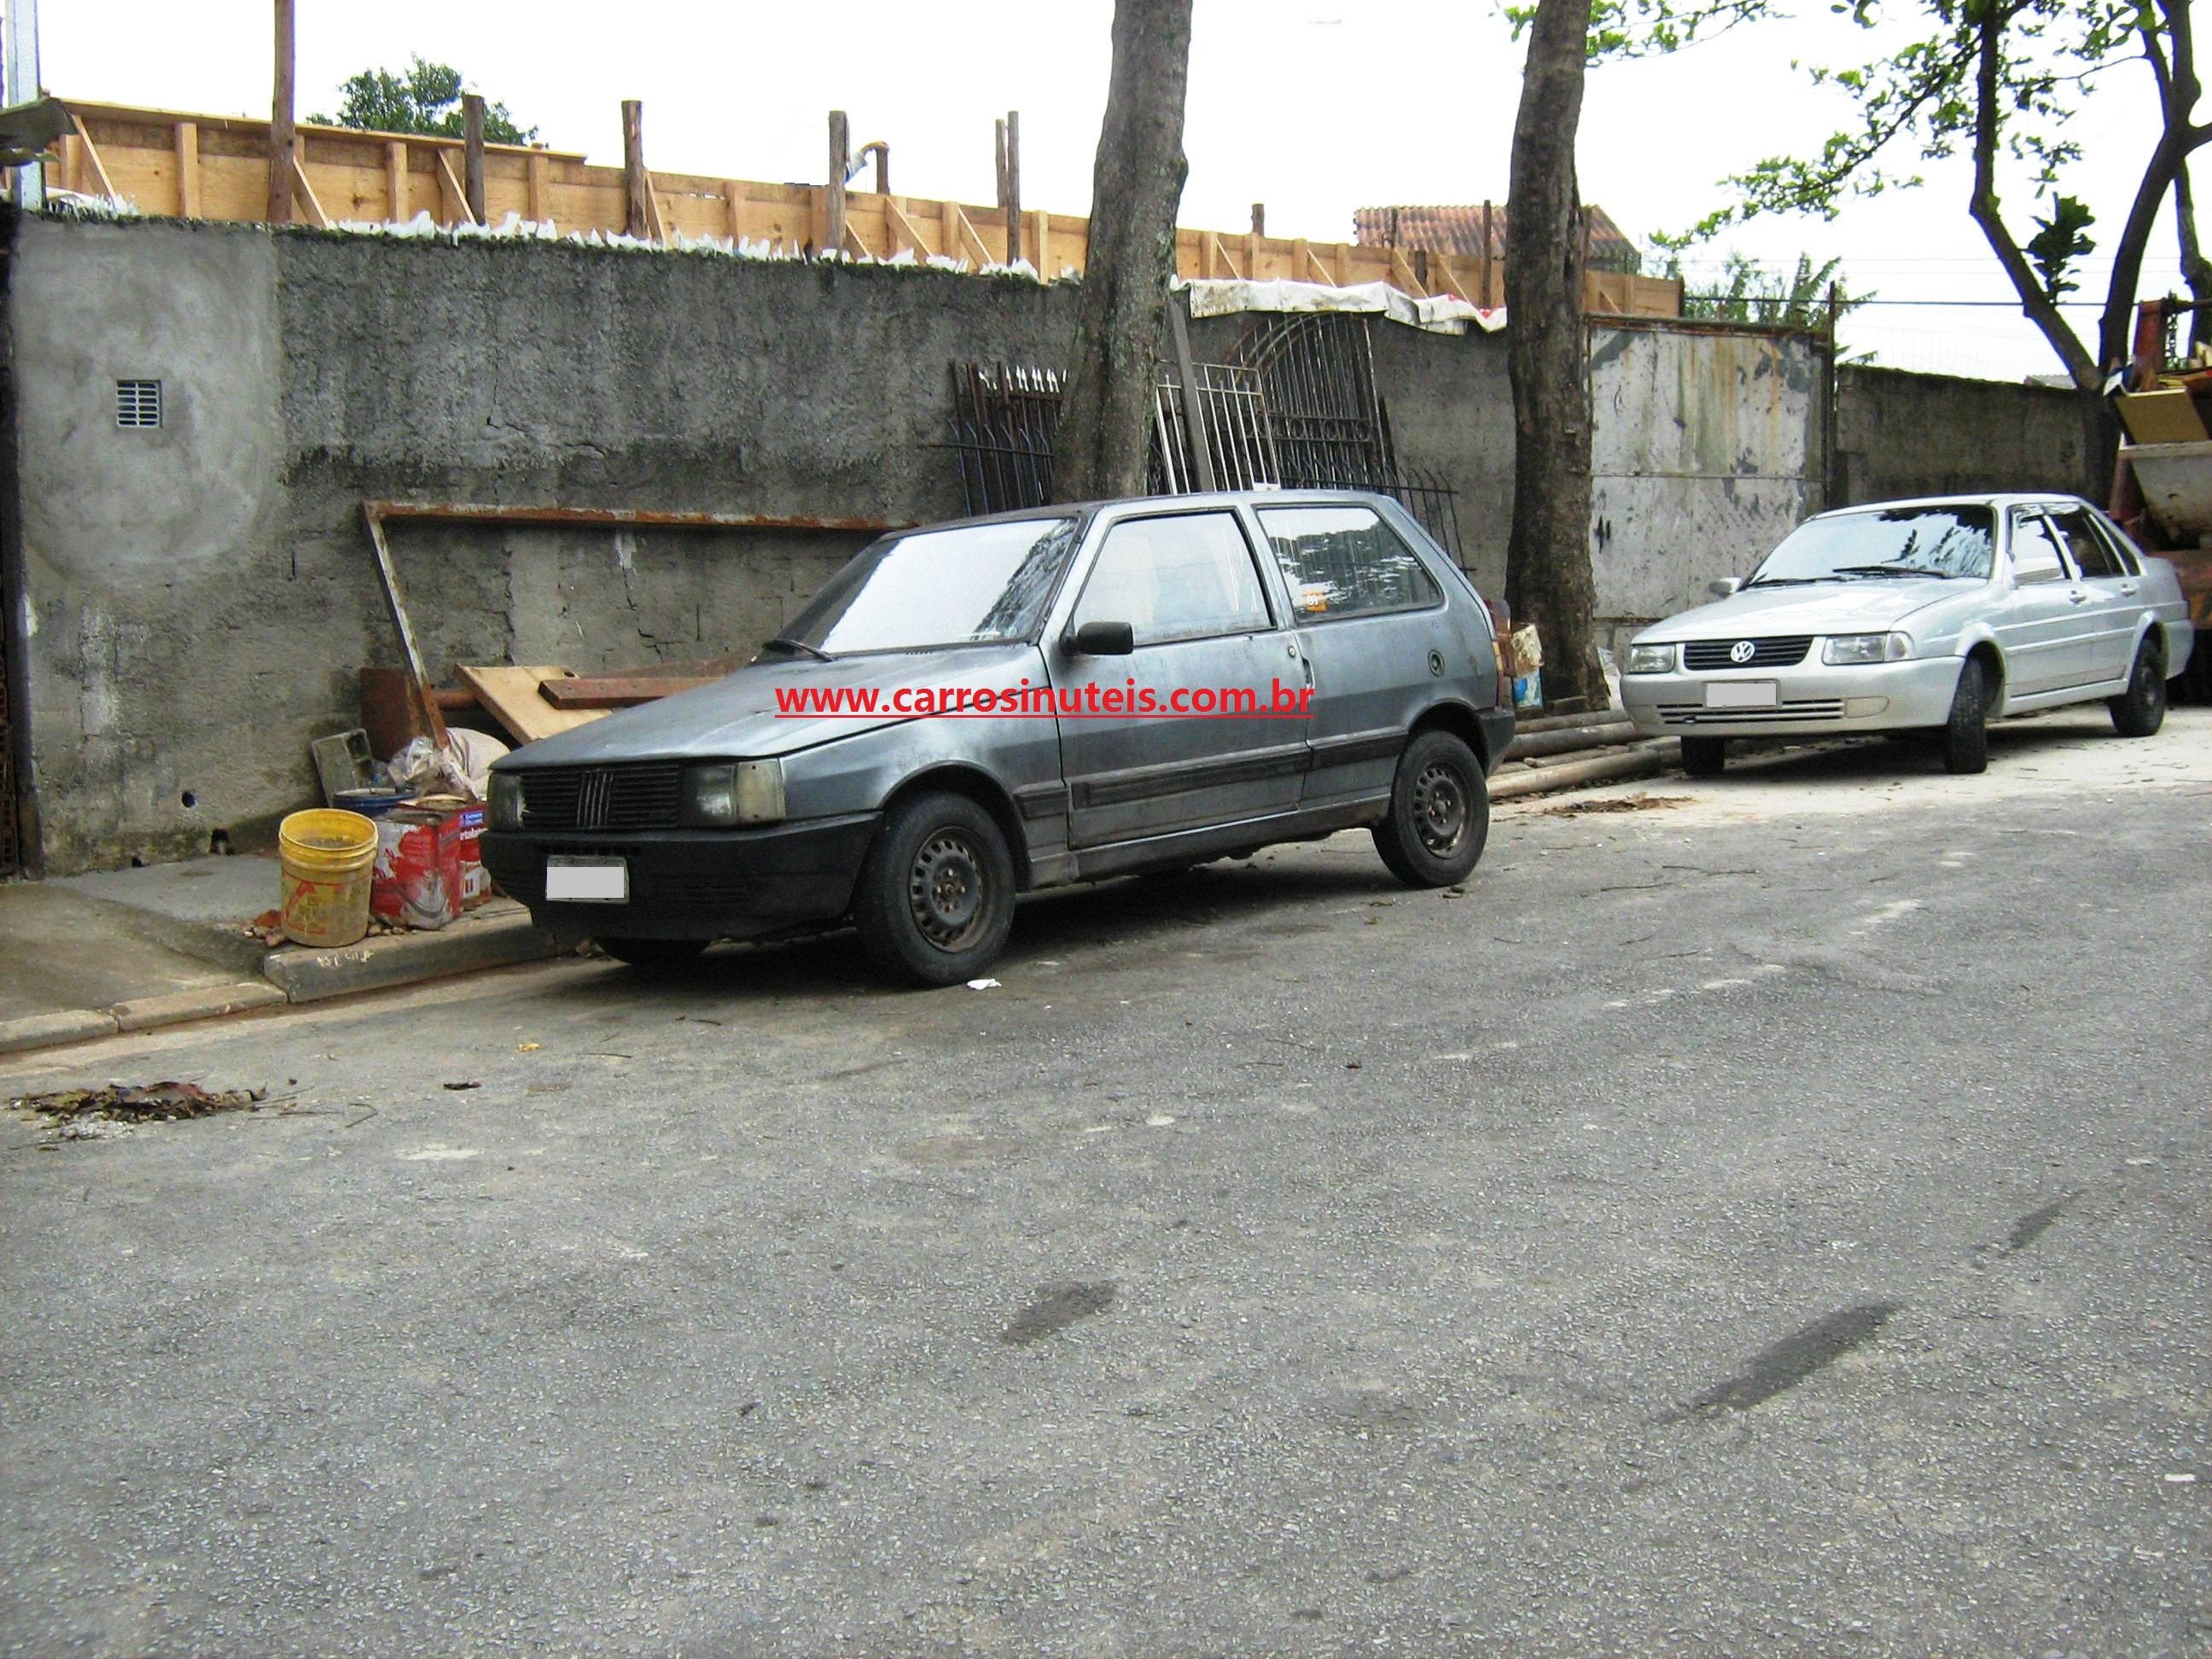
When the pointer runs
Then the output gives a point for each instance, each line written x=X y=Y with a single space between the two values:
x=1136 y=185
x=2196 y=269
x=1547 y=564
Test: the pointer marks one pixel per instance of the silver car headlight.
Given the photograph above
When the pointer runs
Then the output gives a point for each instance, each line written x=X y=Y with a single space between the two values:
x=506 y=802
x=727 y=792
x=1650 y=659
x=1846 y=650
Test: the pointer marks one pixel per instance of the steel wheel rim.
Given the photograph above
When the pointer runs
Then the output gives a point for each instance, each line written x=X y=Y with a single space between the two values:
x=946 y=890
x=1440 y=808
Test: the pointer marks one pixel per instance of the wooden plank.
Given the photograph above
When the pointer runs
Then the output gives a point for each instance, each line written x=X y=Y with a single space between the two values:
x=452 y=198
x=539 y=167
x=92 y=171
x=395 y=180
x=833 y=203
x=434 y=723
x=734 y=211
x=961 y=239
x=904 y=235
x=304 y=191
x=512 y=695
x=618 y=690
x=188 y=169
x=1401 y=275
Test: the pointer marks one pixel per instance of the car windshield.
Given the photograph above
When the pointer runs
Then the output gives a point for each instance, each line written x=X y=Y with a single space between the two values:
x=971 y=584
x=1899 y=541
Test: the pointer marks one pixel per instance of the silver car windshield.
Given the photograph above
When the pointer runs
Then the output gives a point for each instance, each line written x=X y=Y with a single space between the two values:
x=971 y=584
x=1895 y=542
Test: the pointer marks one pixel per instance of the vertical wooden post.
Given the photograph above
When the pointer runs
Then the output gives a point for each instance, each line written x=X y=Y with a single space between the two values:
x=840 y=164
x=541 y=171
x=1252 y=242
x=395 y=180
x=1488 y=303
x=283 y=139
x=637 y=185
x=734 y=211
x=188 y=170
x=1010 y=181
x=472 y=168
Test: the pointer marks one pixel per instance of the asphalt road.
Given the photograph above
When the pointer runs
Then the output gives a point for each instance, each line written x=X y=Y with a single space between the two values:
x=1771 y=1222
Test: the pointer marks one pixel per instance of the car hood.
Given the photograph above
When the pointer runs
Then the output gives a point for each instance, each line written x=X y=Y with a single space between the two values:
x=737 y=717
x=1845 y=607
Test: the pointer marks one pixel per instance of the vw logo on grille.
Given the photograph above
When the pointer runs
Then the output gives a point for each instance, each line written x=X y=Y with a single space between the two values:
x=591 y=798
x=1742 y=651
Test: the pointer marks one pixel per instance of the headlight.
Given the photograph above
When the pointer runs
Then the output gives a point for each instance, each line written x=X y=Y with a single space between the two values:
x=729 y=793
x=505 y=801
x=1844 y=649
x=1650 y=658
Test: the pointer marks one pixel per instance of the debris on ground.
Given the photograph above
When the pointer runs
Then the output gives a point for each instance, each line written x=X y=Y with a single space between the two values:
x=269 y=928
x=982 y=985
x=1577 y=809
x=140 y=1103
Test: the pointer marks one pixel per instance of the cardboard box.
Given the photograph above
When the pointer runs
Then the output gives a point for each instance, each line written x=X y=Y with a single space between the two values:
x=2165 y=416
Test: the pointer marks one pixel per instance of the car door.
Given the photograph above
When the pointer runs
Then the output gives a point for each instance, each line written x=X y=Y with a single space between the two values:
x=2041 y=623
x=2115 y=607
x=1186 y=731
x=1358 y=599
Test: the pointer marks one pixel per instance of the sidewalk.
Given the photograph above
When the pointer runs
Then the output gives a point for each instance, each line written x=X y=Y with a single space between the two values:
x=87 y=957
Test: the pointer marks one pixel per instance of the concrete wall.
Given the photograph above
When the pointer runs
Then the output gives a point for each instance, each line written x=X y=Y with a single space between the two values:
x=1901 y=435
x=1707 y=449
x=200 y=597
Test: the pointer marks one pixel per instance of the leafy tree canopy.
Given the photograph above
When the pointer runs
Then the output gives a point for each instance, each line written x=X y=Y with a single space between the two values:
x=426 y=99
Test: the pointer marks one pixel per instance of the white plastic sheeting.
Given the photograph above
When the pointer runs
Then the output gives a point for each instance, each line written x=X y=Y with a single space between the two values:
x=1443 y=315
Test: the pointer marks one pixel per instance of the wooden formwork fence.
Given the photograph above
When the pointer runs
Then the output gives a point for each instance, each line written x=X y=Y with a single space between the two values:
x=204 y=167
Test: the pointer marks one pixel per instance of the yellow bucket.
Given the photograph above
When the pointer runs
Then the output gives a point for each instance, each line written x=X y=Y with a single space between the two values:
x=328 y=859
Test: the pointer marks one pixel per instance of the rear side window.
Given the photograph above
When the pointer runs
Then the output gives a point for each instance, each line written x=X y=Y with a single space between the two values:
x=1345 y=562
x=2091 y=556
x=2035 y=551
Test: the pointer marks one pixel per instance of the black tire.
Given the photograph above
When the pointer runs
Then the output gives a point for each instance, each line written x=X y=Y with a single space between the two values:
x=935 y=898
x=1705 y=758
x=1966 y=733
x=660 y=955
x=2140 y=710
x=1439 y=816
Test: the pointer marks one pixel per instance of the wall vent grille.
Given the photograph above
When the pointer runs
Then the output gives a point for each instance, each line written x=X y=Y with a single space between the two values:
x=137 y=403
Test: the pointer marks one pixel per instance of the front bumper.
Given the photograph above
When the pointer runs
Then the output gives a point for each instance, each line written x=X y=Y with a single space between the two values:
x=695 y=883
x=1811 y=698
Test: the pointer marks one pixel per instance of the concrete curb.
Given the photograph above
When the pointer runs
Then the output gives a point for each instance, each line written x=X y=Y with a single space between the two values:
x=205 y=1002
x=52 y=1031
x=404 y=959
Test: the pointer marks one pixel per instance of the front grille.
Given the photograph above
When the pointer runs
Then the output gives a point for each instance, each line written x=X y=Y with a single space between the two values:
x=636 y=797
x=1703 y=656
x=1690 y=714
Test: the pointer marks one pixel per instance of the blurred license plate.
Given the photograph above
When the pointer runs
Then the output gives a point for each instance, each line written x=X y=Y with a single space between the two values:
x=574 y=880
x=1740 y=694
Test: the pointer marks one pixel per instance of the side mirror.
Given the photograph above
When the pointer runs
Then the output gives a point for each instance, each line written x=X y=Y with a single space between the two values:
x=1103 y=639
x=1725 y=587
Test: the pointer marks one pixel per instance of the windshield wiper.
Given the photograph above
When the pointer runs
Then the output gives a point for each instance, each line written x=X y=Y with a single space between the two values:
x=1889 y=570
x=780 y=642
x=1784 y=581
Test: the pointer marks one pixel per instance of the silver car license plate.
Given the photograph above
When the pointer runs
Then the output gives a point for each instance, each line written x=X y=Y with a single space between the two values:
x=1740 y=694
x=575 y=879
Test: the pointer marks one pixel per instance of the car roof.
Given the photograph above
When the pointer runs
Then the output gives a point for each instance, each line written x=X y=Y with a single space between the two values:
x=1987 y=498
x=1283 y=497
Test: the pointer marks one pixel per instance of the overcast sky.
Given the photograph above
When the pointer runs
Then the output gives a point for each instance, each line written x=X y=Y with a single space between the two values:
x=1313 y=107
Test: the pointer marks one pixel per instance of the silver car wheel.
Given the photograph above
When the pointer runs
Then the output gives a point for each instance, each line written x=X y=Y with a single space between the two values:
x=946 y=890
x=1440 y=809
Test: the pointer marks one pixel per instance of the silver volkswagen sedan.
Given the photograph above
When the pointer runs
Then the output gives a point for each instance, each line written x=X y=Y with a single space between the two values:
x=1937 y=615
x=969 y=711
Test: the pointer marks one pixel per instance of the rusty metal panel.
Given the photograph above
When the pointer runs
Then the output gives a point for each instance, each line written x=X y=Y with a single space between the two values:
x=1708 y=446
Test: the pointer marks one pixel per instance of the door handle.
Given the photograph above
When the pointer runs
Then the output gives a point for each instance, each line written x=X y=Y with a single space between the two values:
x=2077 y=597
x=2128 y=588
